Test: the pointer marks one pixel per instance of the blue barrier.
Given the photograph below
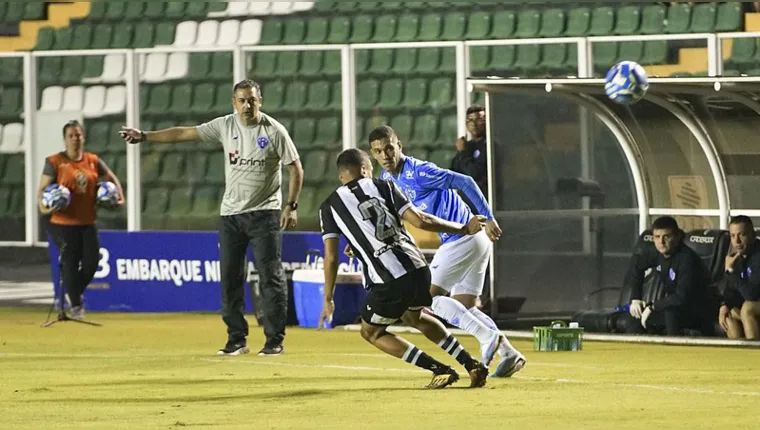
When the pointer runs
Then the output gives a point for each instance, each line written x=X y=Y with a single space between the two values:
x=165 y=271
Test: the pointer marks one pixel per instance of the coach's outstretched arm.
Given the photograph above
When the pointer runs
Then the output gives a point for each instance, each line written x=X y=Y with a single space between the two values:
x=434 y=224
x=169 y=135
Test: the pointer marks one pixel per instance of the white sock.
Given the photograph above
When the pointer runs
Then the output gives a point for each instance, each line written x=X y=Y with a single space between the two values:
x=505 y=349
x=457 y=315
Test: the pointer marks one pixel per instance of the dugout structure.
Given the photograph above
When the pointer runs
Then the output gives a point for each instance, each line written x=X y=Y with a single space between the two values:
x=574 y=178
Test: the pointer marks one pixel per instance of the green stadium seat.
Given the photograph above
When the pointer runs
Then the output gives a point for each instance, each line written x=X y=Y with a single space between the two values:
x=271 y=32
x=362 y=29
x=144 y=35
x=425 y=130
x=11 y=70
x=448 y=130
x=115 y=11
x=402 y=124
x=173 y=168
x=154 y=208
x=504 y=23
x=454 y=26
x=119 y=167
x=49 y=69
x=14 y=11
x=16 y=203
x=215 y=169
x=346 y=6
x=415 y=93
x=743 y=52
x=628 y=20
x=315 y=162
x=448 y=60
x=5 y=197
x=182 y=96
x=382 y=61
x=602 y=21
x=114 y=143
x=206 y=201
x=311 y=63
x=406 y=60
x=72 y=71
x=196 y=10
x=340 y=30
x=408 y=27
x=304 y=132
x=554 y=58
x=101 y=36
x=703 y=18
x=223 y=100
x=93 y=66
x=295 y=97
x=98 y=136
x=221 y=66
x=679 y=18
x=552 y=23
x=319 y=95
x=331 y=64
x=63 y=38
x=369 y=6
x=98 y=11
x=528 y=58
x=655 y=52
x=335 y=102
x=478 y=26
x=367 y=94
x=430 y=27
x=605 y=54
x=203 y=98
x=150 y=164
x=391 y=93
x=14 y=168
x=328 y=132
x=316 y=31
x=729 y=17
x=199 y=66
x=159 y=100
x=122 y=36
x=175 y=10
x=502 y=58
x=154 y=10
x=528 y=23
x=35 y=11
x=442 y=157
x=442 y=93
x=135 y=10
x=392 y=5
x=420 y=153
x=578 y=22
x=480 y=59
x=385 y=28
x=287 y=63
x=429 y=60
x=264 y=64
x=217 y=6
x=47 y=38
x=196 y=166
x=11 y=103
x=82 y=38
x=294 y=31
x=164 y=33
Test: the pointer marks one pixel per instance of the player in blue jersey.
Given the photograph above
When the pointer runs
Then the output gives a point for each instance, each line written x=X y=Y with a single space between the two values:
x=459 y=266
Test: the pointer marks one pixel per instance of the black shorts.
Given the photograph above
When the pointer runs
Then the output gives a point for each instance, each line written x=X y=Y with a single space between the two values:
x=386 y=303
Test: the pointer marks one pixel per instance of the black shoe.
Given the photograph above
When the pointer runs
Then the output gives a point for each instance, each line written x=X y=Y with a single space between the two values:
x=478 y=375
x=443 y=379
x=234 y=348
x=271 y=350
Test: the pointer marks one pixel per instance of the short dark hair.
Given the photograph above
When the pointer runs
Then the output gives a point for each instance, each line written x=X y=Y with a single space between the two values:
x=665 y=223
x=351 y=158
x=743 y=219
x=475 y=109
x=70 y=124
x=382 y=132
x=245 y=84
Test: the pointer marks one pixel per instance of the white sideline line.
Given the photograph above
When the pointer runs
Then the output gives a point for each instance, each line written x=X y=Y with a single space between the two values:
x=530 y=378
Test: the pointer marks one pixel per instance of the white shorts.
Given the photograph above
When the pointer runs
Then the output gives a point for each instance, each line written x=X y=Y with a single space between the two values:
x=460 y=267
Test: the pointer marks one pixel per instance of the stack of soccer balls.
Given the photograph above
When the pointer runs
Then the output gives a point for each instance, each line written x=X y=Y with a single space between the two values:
x=107 y=195
x=626 y=83
x=56 y=197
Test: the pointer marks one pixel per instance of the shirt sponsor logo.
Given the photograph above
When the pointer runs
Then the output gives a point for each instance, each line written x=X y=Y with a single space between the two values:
x=476 y=154
x=708 y=240
x=235 y=160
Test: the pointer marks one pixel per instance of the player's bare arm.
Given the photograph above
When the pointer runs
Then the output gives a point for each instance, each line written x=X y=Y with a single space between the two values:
x=169 y=135
x=331 y=274
x=434 y=224
x=289 y=217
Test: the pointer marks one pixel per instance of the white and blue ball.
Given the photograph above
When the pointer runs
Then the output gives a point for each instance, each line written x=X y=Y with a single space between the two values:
x=107 y=195
x=626 y=82
x=56 y=197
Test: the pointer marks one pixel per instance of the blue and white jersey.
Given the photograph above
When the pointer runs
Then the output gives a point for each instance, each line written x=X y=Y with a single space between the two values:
x=431 y=189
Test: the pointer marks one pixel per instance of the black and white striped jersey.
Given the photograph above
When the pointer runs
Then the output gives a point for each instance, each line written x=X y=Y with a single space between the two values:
x=368 y=213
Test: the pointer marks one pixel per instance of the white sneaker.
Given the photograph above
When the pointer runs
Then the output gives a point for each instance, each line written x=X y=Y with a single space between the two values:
x=509 y=365
x=77 y=312
x=488 y=350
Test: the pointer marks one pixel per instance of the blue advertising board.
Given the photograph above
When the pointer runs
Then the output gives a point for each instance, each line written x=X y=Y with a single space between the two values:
x=167 y=271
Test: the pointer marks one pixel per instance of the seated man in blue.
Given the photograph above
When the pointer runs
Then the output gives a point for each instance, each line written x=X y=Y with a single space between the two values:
x=459 y=266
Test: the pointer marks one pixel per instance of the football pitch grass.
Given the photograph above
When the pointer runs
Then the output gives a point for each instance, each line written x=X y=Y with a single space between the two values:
x=160 y=371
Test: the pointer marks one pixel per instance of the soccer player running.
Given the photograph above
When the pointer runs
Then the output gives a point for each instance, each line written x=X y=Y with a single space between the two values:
x=368 y=212
x=459 y=266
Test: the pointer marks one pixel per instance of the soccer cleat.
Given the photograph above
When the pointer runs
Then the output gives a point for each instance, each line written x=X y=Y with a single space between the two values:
x=478 y=376
x=77 y=312
x=234 y=348
x=489 y=349
x=509 y=366
x=271 y=350
x=443 y=380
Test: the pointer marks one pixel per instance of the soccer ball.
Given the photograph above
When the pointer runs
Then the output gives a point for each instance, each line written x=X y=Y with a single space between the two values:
x=626 y=82
x=56 y=197
x=107 y=195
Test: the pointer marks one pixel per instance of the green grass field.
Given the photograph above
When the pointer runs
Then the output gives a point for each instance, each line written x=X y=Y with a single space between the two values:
x=147 y=371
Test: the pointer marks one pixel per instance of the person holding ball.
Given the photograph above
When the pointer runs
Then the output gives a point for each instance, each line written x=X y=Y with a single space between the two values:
x=72 y=225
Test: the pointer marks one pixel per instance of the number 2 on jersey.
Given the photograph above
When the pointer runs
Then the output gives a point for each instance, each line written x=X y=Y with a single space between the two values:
x=385 y=228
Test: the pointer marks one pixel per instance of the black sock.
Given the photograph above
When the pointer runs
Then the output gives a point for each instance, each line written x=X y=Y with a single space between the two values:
x=414 y=356
x=452 y=347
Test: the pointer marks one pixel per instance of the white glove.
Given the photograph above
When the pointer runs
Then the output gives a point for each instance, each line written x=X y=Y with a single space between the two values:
x=637 y=307
x=645 y=316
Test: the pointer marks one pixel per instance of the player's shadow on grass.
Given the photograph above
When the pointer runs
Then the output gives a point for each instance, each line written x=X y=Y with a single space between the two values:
x=265 y=380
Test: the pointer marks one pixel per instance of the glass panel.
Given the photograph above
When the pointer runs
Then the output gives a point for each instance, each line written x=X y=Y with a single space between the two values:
x=12 y=163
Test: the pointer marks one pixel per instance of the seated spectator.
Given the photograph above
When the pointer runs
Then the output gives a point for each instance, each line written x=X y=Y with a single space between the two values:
x=739 y=312
x=684 y=303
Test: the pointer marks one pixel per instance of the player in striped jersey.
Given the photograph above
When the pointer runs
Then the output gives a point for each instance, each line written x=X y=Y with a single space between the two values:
x=369 y=213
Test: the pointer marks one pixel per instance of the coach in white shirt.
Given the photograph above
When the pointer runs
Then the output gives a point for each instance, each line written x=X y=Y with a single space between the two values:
x=256 y=146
